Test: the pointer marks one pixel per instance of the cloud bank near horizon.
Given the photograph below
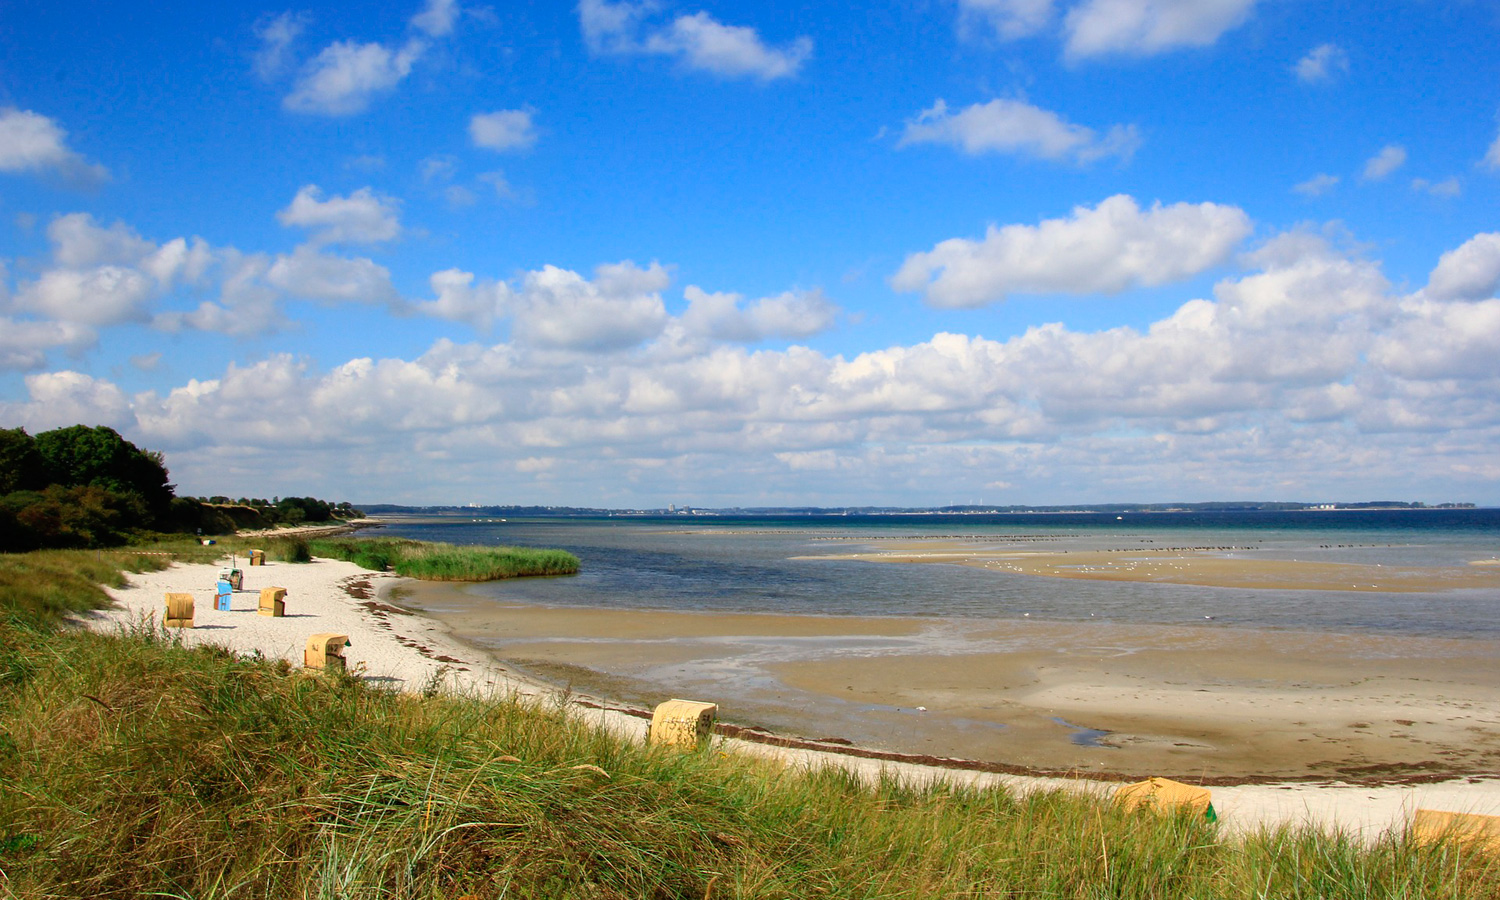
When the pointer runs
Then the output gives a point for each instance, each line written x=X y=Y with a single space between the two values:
x=1306 y=360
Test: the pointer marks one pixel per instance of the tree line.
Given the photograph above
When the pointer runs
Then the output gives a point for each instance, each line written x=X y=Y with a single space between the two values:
x=84 y=486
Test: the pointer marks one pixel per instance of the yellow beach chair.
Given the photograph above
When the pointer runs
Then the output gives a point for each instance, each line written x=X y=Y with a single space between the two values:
x=682 y=723
x=325 y=650
x=1166 y=795
x=179 y=611
x=272 y=601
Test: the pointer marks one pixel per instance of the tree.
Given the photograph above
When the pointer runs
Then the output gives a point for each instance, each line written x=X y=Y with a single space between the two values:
x=76 y=516
x=98 y=457
x=21 y=466
x=296 y=510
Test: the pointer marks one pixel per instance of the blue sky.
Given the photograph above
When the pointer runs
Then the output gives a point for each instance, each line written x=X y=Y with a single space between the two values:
x=632 y=254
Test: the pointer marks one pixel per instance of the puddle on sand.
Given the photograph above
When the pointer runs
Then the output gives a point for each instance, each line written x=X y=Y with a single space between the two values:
x=1083 y=737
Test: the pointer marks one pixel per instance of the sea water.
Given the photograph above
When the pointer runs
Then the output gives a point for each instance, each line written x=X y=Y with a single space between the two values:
x=782 y=565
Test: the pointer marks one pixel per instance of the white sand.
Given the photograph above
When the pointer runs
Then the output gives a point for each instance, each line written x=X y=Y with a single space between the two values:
x=386 y=647
x=410 y=652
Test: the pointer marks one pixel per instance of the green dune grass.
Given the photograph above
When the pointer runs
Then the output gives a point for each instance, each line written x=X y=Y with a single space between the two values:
x=131 y=766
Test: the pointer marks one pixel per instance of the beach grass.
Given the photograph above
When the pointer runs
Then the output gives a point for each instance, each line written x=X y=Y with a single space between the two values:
x=50 y=584
x=133 y=766
x=282 y=548
x=446 y=562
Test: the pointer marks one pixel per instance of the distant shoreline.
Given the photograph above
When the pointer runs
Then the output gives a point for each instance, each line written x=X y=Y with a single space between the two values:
x=346 y=527
x=525 y=512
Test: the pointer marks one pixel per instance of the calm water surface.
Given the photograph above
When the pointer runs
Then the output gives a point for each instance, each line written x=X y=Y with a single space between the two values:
x=758 y=565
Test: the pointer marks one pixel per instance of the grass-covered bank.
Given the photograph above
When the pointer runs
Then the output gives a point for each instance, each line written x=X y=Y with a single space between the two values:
x=446 y=562
x=50 y=584
x=131 y=766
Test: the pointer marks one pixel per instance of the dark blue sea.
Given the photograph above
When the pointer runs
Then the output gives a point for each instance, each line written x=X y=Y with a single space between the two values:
x=780 y=565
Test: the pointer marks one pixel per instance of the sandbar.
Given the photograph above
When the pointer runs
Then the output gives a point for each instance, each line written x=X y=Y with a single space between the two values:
x=1241 y=567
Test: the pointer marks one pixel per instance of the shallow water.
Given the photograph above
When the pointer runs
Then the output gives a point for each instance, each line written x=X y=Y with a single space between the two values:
x=759 y=565
x=971 y=662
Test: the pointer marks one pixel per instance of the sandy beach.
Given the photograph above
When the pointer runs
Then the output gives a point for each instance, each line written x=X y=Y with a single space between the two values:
x=393 y=647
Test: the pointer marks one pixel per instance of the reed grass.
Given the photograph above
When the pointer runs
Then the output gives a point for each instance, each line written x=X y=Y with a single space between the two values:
x=286 y=548
x=446 y=562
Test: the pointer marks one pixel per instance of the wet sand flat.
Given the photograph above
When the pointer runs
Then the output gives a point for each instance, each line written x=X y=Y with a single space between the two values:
x=1233 y=704
x=1210 y=568
x=1201 y=701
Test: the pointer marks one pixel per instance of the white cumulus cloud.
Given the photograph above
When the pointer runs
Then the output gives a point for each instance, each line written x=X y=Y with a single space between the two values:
x=1469 y=272
x=437 y=18
x=277 y=34
x=1390 y=158
x=1303 y=368
x=611 y=27
x=1321 y=64
x=246 y=304
x=105 y=295
x=1014 y=126
x=1318 y=185
x=1448 y=187
x=729 y=50
x=1438 y=340
x=24 y=343
x=78 y=241
x=506 y=129
x=698 y=41
x=1148 y=27
x=314 y=275
x=558 y=308
x=1010 y=19
x=346 y=76
x=31 y=142
x=360 y=218
x=1106 y=249
x=460 y=300
x=59 y=399
x=725 y=316
x=100 y=277
x=620 y=308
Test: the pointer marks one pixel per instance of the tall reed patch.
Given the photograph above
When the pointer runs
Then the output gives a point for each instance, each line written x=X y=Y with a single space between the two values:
x=446 y=562
x=286 y=548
